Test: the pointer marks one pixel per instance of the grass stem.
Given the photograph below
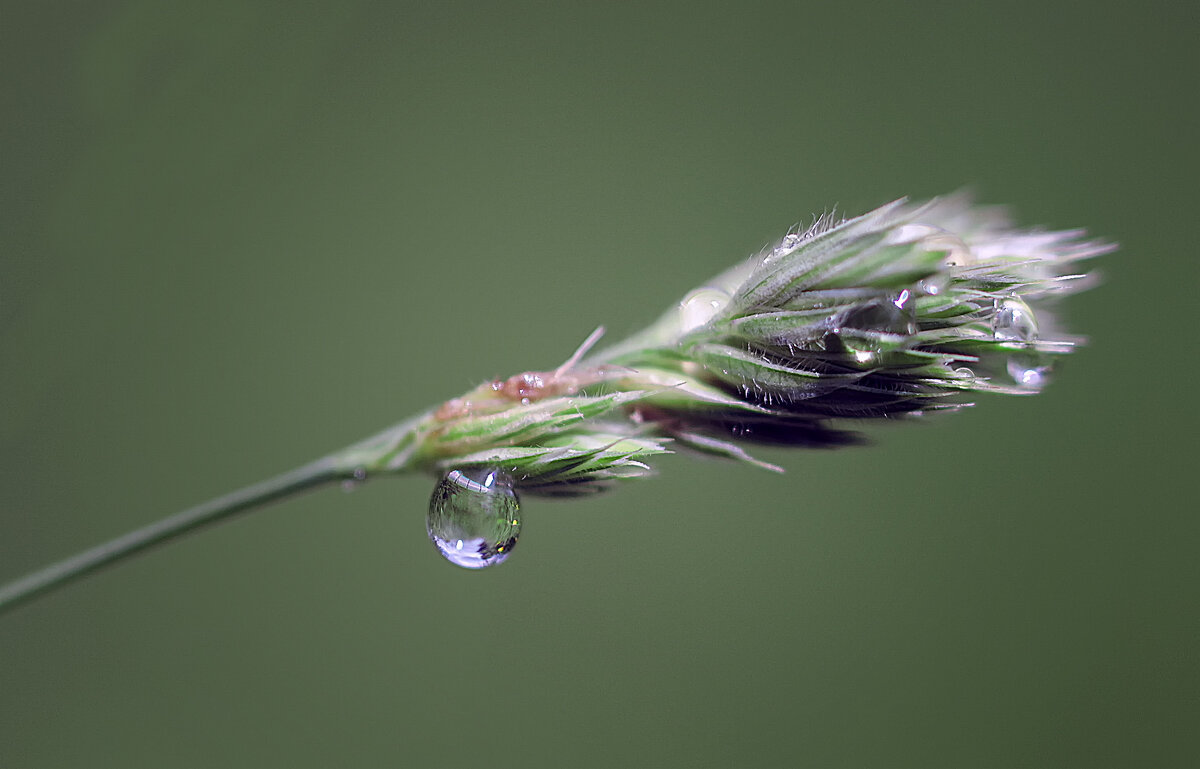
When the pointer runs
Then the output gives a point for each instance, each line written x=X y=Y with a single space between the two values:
x=307 y=477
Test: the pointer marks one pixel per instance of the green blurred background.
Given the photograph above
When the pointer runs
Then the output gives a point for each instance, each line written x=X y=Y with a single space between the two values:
x=234 y=236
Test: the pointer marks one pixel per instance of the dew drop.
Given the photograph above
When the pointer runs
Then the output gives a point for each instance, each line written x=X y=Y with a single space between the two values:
x=1027 y=373
x=934 y=285
x=911 y=233
x=699 y=307
x=934 y=239
x=358 y=476
x=1014 y=321
x=958 y=253
x=1030 y=370
x=474 y=517
x=896 y=316
x=878 y=326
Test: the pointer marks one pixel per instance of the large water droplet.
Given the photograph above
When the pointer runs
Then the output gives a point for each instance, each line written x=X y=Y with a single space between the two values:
x=1014 y=321
x=474 y=517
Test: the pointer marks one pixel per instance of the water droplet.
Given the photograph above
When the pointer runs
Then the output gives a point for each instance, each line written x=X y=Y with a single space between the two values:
x=911 y=233
x=1029 y=369
x=958 y=253
x=474 y=517
x=1027 y=373
x=895 y=316
x=878 y=326
x=933 y=286
x=1014 y=321
x=358 y=476
x=699 y=307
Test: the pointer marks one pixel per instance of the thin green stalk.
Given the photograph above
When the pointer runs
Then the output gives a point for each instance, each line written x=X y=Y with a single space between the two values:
x=58 y=574
x=387 y=451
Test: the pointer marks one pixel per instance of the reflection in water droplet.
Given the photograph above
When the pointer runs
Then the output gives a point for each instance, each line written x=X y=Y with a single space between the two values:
x=1014 y=321
x=474 y=517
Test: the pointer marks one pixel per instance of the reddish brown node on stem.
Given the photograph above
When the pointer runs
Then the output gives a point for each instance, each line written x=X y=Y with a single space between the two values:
x=521 y=388
x=452 y=409
x=533 y=385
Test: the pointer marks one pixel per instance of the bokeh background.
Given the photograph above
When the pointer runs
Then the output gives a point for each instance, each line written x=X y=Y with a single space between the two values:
x=236 y=235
